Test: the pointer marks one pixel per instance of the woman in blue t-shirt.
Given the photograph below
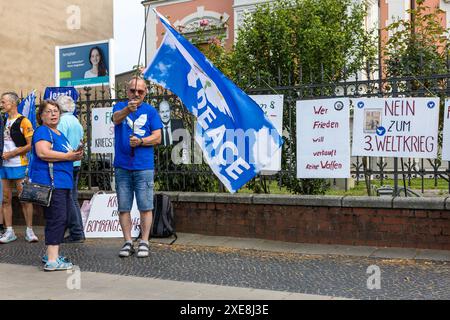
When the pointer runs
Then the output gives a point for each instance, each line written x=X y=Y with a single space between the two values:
x=51 y=146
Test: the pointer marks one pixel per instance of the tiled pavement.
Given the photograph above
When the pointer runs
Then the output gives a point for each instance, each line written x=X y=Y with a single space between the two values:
x=201 y=267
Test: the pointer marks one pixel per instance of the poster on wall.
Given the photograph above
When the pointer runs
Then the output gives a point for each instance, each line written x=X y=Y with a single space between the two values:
x=102 y=221
x=323 y=138
x=102 y=131
x=395 y=127
x=272 y=105
x=446 y=133
x=85 y=64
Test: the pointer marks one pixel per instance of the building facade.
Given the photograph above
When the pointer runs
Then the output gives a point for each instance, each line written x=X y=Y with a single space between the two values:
x=188 y=14
x=30 y=32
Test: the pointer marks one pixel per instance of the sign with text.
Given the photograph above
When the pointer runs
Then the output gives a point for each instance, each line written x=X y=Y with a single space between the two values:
x=103 y=219
x=323 y=138
x=272 y=105
x=85 y=64
x=53 y=93
x=446 y=133
x=395 y=127
x=102 y=131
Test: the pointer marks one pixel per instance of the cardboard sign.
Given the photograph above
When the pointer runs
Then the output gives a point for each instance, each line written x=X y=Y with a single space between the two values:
x=323 y=138
x=396 y=127
x=103 y=218
x=446 y=133
x=272 y=105
x=102 y=131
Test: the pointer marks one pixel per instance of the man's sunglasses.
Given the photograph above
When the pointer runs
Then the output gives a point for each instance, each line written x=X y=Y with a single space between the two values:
x=140 y=92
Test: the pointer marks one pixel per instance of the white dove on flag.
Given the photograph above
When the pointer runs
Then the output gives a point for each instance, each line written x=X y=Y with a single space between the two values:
x=212 y=93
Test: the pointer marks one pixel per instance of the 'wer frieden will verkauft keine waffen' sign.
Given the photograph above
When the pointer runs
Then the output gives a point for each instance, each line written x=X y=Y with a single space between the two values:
x=323 y=138
x=396 y=127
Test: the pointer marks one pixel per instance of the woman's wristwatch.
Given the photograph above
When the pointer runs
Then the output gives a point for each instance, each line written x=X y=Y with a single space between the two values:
x=142 y=142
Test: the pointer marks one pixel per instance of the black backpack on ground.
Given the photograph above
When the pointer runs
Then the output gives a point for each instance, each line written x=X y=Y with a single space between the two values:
x=163 y=225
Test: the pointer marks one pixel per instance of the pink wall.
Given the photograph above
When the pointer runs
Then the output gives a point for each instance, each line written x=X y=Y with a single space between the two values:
x=179 y=11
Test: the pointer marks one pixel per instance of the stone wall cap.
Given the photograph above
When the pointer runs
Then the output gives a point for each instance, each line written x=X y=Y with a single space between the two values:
x=298 y=200
x=423 y=203
x=366 y=202
x=447 y=203
x=196 y=197
x=432 y=203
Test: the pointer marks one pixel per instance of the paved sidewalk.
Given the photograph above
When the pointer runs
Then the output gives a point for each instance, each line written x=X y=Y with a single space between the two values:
x=311 y=249
x=299 y=248
x=204 y=267
x=35 y=284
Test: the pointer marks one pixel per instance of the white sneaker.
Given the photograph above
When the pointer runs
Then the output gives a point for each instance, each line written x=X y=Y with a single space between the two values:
x=8 y=237
x=30 y=236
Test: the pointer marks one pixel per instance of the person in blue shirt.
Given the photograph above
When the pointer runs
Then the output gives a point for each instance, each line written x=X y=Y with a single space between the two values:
x=51 y=146
x=72 y=129
x=137 y=129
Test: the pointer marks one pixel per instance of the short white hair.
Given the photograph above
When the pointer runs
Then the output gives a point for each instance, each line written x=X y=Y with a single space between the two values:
x=12 y=97
x=66 y=103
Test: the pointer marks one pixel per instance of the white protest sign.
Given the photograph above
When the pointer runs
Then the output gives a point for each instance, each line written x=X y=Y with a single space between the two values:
x=396 y=127
x=446 y=133
x=103 y=219
x=102 y=131
x=323 y=138
x=272 y=105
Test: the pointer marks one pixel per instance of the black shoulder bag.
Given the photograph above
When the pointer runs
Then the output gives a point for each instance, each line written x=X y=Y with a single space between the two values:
x=36 y=193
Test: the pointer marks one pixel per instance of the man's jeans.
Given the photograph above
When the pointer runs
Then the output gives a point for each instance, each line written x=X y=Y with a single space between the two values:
x=74 y=221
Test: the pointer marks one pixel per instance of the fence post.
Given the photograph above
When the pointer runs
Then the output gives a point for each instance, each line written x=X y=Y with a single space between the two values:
x=89 y=134
x=395 y=94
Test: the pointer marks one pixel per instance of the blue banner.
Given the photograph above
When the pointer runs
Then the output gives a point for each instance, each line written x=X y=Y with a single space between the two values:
x=27 y=108
x=236 y=138
x=53 y=93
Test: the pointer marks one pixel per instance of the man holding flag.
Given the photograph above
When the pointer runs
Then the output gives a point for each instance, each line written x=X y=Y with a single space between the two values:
x=18 y=131
x=137 y=130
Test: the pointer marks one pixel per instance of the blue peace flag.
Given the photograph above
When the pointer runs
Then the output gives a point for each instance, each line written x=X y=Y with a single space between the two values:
x=236 y=138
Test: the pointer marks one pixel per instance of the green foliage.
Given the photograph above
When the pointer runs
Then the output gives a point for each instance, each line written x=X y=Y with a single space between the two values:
x=314 y=35
x=417 y=46
x=305 y=186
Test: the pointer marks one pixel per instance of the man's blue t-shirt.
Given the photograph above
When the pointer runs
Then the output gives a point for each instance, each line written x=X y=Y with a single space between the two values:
x=146 y=120
x=62 y=170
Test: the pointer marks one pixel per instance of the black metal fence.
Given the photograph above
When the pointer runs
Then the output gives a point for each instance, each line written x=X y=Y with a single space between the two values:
x=97 y=169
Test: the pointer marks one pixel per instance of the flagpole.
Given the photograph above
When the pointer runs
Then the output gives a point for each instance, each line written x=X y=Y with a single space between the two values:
x=139 y=60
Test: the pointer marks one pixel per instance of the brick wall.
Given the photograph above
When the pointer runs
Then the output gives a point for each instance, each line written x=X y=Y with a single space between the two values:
x=370 y=221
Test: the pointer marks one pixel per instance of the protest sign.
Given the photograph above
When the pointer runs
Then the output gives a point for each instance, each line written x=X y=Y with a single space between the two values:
x=103 y=218
x=395 y=127
x=102 y=131
x=272 y=105
x=323 y=138
x=446 y=133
